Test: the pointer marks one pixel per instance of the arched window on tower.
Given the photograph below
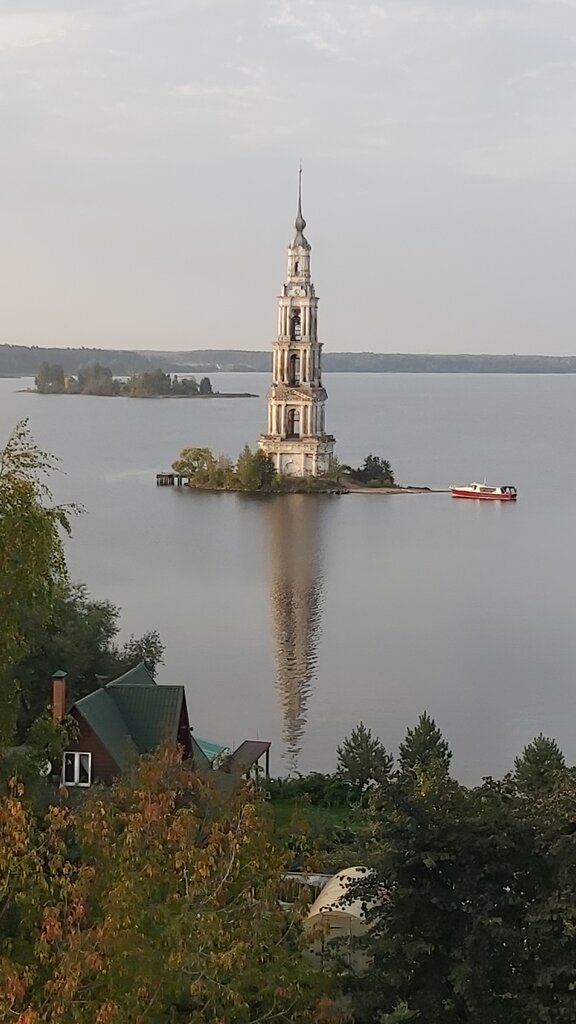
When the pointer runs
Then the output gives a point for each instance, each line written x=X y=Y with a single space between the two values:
x=294 y=375
x=297 y=267
x=295 y=326
x=293 y=423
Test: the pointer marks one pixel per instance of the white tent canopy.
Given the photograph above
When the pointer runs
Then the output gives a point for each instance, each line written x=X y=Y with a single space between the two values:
x=332 y=917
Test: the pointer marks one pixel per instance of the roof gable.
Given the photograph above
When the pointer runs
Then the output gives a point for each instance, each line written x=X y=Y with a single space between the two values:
x=152 y=713
x=103 y=716
x=137 y=676
x=132 y=715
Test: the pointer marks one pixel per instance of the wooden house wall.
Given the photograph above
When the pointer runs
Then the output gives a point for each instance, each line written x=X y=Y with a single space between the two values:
x=183 y=737
x=104 y=768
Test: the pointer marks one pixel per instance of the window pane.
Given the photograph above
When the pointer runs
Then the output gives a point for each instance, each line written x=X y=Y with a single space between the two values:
x=68 y=772
x=84 y=770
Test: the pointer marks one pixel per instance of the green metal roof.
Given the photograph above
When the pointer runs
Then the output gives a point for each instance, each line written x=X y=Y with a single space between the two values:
x=101 y=712
x=139 y=675
x=209 y=748
x=132 y=715
x=152 y=713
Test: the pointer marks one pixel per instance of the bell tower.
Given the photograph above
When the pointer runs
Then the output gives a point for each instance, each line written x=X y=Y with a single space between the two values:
x=296 y=437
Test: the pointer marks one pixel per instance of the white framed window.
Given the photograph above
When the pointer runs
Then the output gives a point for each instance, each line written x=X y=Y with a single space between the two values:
x=76 y=768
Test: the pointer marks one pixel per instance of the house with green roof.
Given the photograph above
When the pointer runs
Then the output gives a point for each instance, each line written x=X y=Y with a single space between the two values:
x=123 y=719
x=131 y=716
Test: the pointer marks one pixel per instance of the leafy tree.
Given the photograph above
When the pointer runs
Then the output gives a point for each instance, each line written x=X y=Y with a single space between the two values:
x=80 y=637
x=246 y=469
x=184 y=386
x=255 y=470
x=222 y=474
x=424 y=751
x=149 y=384
x=32 y=562
x=147 y=648
x=195 y=462
x=362 y=758
x=452 y=890
x=375 y=472
x=167 y=912
x=50 y=379
x=96 y=379
x=540 y=763
x=206 y=386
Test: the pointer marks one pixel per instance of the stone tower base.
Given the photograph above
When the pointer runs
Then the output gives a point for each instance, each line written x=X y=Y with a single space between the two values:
x=306 y=456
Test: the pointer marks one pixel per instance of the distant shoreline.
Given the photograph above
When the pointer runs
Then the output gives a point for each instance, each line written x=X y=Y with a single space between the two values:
x=145 y=398
x=22 y=360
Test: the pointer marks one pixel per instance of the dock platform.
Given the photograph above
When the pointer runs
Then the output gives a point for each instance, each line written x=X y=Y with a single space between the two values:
x=171 y=479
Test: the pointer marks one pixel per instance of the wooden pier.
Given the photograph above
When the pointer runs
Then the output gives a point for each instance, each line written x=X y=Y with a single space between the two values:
x=171 y=479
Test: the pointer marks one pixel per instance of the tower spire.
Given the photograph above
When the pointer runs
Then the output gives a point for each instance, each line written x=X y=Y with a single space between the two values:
x=299 y=223
x=296 y=437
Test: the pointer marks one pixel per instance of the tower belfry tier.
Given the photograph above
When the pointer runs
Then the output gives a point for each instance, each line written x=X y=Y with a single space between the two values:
x=296 y=437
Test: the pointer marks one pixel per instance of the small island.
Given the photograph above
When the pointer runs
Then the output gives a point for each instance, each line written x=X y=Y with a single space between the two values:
x=99 y=380
x=254 y=472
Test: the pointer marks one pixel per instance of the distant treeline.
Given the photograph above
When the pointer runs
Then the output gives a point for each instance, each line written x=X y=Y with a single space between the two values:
x=96 y=379
x=22 y=360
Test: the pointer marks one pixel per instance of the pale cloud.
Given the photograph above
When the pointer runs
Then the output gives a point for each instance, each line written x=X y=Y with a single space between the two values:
x=541 y=153
x=25 y=30
x=410 y=116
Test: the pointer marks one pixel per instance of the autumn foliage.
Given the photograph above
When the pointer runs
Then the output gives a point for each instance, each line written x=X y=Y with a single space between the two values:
x=153 y=901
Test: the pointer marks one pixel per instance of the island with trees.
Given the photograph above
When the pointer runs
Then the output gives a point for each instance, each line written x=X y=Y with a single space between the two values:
x=254 y=471
x=96 y=379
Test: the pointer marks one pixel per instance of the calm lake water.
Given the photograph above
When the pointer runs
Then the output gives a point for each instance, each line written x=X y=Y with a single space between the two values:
x=290 y=619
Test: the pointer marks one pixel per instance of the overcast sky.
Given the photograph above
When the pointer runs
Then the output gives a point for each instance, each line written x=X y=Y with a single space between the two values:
x=149 y=156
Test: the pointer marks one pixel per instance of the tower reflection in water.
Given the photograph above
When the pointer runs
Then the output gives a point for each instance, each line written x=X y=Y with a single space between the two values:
x=296 y=596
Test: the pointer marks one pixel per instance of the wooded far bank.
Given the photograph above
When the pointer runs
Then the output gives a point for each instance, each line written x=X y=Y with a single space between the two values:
x=23 y=360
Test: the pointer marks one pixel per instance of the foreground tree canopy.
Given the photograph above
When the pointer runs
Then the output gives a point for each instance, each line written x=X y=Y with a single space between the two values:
x=470 y=892
x=32 y=562
x=152 y=901
x=45 y=622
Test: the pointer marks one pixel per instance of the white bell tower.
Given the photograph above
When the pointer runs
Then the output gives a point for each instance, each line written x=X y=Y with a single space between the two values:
x=296 y=437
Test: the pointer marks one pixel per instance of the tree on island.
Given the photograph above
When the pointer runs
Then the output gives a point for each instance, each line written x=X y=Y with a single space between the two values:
x=254 y=471
x=196 y=463
x=375 y=472
x=149 y=384
x=50 y=379
x=95 y=379
x=183 y=386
